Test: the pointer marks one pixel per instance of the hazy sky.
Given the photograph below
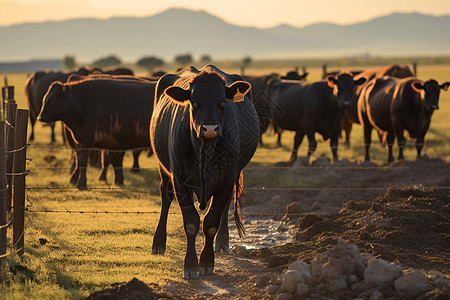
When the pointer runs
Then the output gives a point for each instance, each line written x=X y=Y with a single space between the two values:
x=257 y=13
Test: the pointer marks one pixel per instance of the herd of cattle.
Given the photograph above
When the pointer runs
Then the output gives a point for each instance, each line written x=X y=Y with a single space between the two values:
x=204 y=126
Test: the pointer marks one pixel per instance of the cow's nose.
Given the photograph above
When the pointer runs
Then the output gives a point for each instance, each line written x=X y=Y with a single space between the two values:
x=209 y=131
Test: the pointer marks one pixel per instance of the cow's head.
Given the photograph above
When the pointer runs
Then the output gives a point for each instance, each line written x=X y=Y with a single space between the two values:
x=343 y=87
x=207 y=97
x=429 y=92
x=55 y=103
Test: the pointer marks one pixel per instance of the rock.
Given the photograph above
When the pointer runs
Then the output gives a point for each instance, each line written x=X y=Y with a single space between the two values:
x=315 y=207
x=283 y=228
x=272 y=289
x=321 y=161
x=414 y=280
x=294 y=208
x=376 y=295
x=340 y=261
x=378 y=271
x=352 y=279
x=285 y=296
x=290 y=281
x=304 y=269
x=339 y=284
x=302 y=289
x=300 y=162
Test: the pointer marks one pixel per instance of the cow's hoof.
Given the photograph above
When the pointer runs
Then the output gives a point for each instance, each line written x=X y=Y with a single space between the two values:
x=224 y=247
x=206 y=270
x=190 y=274
x=135 y=170
x=158 y=251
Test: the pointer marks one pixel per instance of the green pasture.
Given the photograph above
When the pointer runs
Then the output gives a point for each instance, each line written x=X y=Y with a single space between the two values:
x=109 y=241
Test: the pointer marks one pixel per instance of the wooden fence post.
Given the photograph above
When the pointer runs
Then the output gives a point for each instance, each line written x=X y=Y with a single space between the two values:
x=20 y=156
x=3 y=201
x=11 y=108
x=3 y=103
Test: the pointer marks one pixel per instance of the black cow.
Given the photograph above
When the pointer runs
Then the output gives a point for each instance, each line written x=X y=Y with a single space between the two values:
x=101 y=158
x=313 y=107
x=204 y=130
x=37 y=84
x=261 y=101
x=392 y=105
x=263 y=105
x=351 y=114
x=102 y=113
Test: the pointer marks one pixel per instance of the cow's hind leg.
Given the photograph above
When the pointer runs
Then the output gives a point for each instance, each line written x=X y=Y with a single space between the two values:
x=390 y=138
x=312 y=144
x=105 y=160
x=166 y=190
x=223 y=237
x=211 y=224
x=117 y=162
x=297 y=141
x=135 y=168
x=74 y=169
x=52 y=127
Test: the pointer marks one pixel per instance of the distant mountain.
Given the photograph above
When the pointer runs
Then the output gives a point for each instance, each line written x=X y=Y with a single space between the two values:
x=177 y=31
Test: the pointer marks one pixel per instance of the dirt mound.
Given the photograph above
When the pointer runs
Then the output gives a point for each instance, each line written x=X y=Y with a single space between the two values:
x=133 y=290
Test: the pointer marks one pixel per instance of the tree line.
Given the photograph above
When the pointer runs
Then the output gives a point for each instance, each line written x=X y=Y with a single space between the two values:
x=147 y=62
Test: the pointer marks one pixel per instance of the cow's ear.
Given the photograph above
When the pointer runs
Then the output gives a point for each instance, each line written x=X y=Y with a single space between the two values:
x=237 y=90
x=445 y=86
x=178 y=94
x=360 y=81
x=417 y=86
x=331 y=81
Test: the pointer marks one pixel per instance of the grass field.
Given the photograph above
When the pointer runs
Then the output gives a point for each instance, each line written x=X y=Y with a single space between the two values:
x=89 y=251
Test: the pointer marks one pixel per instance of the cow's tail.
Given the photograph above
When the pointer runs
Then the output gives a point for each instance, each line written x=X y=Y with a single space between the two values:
x=237 y=205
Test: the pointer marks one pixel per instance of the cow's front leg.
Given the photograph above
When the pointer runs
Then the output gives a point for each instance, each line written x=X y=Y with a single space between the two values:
x=191 y=223
x=74 y=168
x=334 y=147
x=211 y=224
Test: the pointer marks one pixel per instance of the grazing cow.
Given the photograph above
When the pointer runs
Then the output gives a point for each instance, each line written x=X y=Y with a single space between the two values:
x=102 y=113
x=313 y=107
x=351 y=114
x=203 y=131
x=36 y=85
x=392 y=105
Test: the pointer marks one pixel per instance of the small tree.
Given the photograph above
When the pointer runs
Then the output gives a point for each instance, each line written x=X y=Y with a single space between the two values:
x=246 y=61
x=150 y=63
x=205 y=59
x=183 y=59
x=69 y=62
x=109 y=61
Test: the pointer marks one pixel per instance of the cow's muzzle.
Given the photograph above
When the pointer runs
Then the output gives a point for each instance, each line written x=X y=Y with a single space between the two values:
x=209 y=131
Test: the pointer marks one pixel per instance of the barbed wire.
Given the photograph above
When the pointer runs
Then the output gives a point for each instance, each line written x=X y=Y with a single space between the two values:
x=259 y=149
